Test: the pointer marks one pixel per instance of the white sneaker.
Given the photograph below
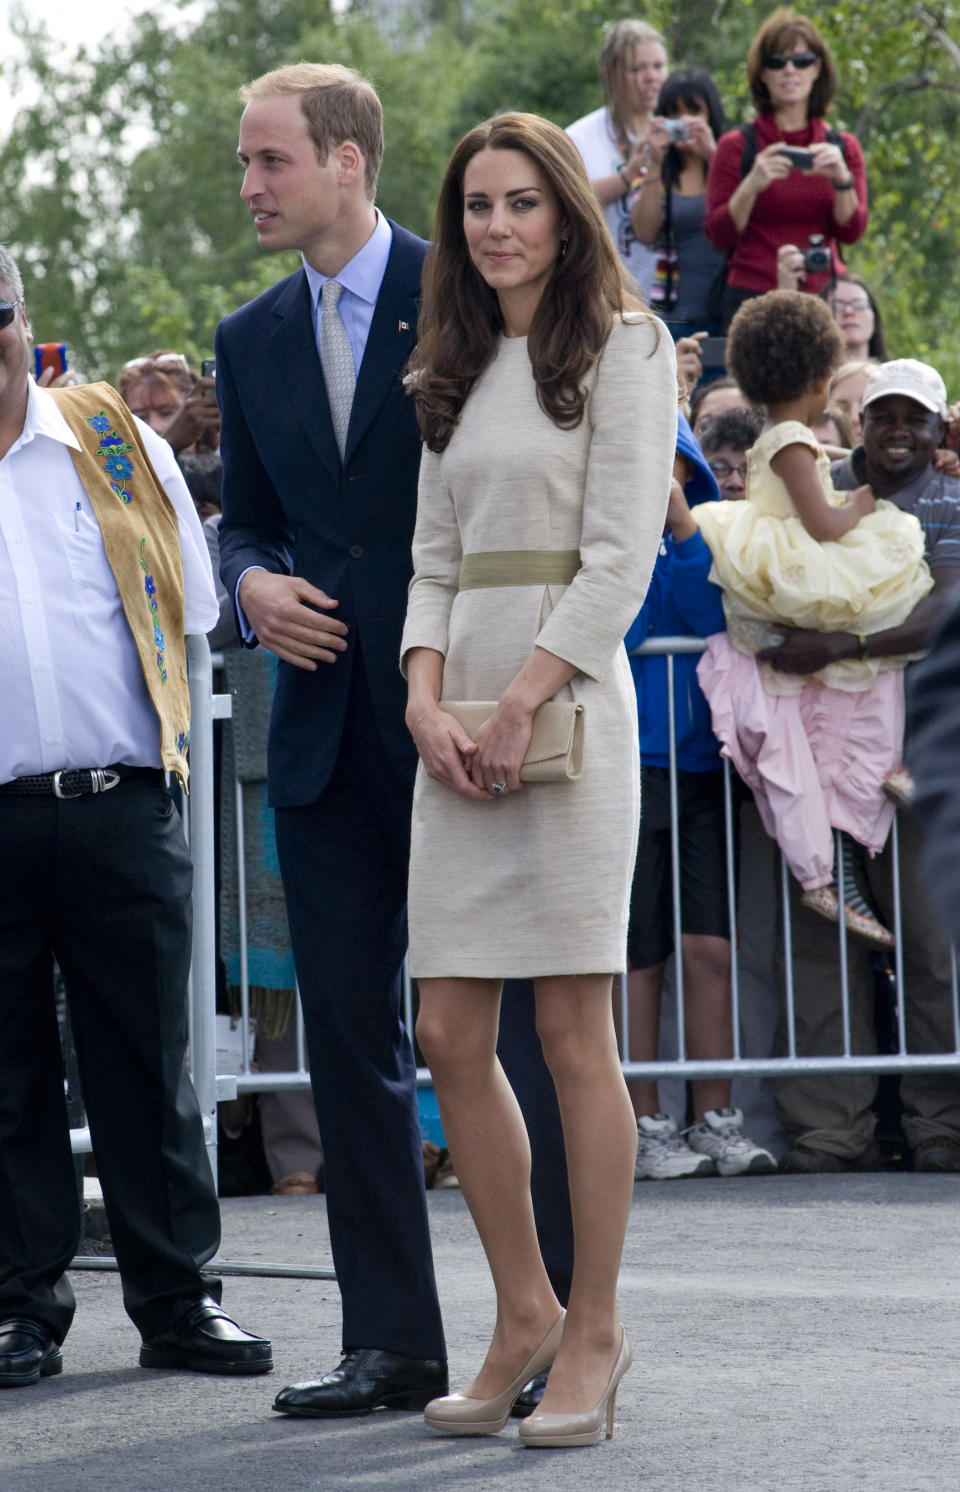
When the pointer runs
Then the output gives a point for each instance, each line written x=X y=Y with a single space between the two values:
x=663 y=1155
x=720 y=1135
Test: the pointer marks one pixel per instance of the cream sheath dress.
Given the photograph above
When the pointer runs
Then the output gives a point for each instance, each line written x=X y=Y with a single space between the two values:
x=537 y=882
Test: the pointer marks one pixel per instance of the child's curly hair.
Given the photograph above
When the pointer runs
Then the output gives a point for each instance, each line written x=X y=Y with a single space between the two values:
x=781 y=344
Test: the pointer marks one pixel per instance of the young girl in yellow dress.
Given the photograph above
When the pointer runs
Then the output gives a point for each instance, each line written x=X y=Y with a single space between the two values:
x=816 y=749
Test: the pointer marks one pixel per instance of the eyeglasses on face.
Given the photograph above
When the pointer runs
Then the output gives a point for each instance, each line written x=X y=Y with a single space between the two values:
x=8 y=309
x=860 y=304
x=776 y=61
x=722 y=470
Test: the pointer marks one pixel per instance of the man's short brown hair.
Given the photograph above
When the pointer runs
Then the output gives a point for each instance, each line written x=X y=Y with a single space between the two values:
x=337 y=103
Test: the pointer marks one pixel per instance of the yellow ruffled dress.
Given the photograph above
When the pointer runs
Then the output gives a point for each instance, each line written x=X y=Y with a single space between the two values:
x=772 y=570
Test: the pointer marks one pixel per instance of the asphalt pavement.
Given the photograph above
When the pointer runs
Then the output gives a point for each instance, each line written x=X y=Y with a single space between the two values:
x=791 y=1334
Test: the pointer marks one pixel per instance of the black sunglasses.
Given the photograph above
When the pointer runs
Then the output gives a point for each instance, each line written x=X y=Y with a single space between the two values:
x=8 y=309
x=776 y=61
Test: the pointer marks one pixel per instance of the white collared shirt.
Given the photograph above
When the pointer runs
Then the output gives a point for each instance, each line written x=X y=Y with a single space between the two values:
x=72 y=688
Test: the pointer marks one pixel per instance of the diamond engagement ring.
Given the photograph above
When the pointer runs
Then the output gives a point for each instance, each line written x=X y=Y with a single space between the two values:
x=498 y=787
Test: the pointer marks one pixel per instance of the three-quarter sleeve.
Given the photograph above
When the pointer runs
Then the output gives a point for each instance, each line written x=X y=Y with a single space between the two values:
x=632 y=411
x=437 y=552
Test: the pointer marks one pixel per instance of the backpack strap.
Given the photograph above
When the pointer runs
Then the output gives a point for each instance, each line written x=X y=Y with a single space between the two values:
x=749 y=152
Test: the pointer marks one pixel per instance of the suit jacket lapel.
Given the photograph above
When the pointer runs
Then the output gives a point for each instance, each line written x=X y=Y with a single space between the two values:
x=293 y=355
x=393 y=334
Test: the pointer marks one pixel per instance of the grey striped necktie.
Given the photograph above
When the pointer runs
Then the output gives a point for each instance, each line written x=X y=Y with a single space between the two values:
x=336 y=356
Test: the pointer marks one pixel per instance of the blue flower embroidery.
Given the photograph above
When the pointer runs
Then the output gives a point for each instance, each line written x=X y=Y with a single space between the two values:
x=183 y=740
x=113 y=452
x=150 y=587
x=119 y=467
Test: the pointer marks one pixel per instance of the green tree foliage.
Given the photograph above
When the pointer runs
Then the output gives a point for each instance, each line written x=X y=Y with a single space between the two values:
x=120 y=188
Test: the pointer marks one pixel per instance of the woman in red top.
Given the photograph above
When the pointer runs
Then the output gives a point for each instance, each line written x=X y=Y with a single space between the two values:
x=778 y=200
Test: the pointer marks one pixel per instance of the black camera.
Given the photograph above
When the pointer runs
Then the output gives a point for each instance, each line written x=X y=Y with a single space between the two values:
x=800 y=160
x=817 y=259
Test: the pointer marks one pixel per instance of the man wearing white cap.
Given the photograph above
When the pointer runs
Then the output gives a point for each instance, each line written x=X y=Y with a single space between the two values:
x=830 y=1119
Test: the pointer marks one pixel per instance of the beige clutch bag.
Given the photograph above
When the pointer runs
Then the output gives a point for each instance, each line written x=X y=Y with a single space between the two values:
x=555 y=752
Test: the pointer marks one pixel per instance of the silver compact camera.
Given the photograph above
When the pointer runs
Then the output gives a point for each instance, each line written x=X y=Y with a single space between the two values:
x=676 y=130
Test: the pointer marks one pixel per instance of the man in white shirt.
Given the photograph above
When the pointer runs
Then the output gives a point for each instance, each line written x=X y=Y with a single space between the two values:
x=94 y=870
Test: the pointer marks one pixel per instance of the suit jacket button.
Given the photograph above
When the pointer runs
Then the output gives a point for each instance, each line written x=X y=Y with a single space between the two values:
x=356 y=551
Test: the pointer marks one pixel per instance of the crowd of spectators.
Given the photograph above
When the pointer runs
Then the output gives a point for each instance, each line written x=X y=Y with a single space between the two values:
x=731 y=215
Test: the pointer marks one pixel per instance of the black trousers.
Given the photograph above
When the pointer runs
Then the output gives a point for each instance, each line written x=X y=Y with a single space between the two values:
x=102 y=883
x=344 y=865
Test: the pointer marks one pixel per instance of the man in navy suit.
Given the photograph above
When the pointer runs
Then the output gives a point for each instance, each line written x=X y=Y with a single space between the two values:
x=320 y=455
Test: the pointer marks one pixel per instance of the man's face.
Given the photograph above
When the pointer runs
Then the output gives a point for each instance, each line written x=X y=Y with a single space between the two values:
x=15 y=342
x=729 y=466
x=900 y=437
x=293 y=199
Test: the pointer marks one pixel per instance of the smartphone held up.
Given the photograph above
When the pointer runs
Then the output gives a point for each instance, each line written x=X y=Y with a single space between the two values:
x=52 y=355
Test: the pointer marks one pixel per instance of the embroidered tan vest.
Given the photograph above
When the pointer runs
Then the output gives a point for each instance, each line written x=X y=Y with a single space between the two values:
x=139 y=528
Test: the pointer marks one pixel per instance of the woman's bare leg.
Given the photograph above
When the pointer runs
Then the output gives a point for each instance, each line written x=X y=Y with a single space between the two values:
x=575 y=1022
x=485 y=1133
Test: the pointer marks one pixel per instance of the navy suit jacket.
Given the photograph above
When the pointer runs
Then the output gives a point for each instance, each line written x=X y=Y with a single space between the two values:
x=291 y=505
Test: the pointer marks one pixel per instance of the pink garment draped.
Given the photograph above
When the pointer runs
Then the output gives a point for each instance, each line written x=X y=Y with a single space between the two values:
x=815 y=761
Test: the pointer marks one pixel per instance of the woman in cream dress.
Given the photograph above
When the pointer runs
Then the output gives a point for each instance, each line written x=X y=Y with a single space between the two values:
x=548 y=407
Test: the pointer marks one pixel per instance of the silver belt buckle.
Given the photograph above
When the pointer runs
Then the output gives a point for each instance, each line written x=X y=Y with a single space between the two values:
x=102 y=779
x=58 y=793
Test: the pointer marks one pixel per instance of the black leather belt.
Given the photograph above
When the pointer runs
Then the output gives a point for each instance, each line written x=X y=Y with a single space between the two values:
x=75 y=783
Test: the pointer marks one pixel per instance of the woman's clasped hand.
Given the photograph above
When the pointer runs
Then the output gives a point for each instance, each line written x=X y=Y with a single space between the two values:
x=471 y=767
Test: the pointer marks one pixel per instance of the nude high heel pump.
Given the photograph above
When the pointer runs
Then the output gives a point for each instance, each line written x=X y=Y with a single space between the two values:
x=458 y=1414
x=579 y=1429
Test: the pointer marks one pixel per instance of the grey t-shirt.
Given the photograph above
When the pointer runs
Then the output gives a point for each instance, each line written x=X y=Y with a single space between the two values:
x=932 y=496
x=697 y=260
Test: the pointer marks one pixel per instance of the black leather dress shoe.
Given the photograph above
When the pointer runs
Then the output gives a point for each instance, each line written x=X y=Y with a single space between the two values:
x=526 y=1401
x=205 y=1340
x=367 y=1379
x=28 y=1353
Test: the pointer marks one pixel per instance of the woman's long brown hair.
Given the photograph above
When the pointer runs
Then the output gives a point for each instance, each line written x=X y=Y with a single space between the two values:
x=460 y=321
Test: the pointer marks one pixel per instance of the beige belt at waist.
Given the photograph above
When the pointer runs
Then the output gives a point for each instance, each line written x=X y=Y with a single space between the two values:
x=518 y=567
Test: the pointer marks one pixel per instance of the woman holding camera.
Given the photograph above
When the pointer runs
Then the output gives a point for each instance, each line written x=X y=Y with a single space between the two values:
x=670 y=204
x=787 y=177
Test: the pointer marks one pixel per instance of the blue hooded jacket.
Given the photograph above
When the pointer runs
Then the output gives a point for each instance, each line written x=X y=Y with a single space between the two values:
x=681 y=602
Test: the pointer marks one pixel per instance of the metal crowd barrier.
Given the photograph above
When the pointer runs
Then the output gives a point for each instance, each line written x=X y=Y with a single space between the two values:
x=211 y=1088
x=790 y=1064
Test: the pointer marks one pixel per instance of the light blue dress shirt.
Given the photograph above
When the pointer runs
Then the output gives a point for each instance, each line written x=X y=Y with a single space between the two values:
x=361 y=279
